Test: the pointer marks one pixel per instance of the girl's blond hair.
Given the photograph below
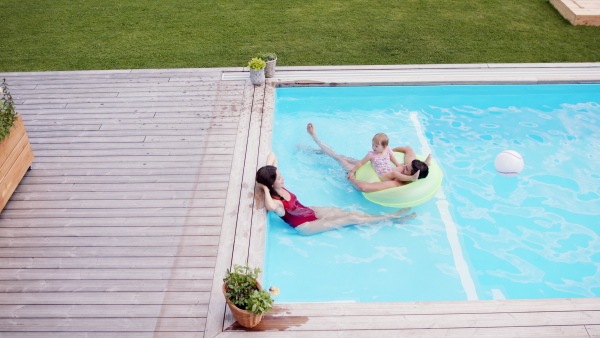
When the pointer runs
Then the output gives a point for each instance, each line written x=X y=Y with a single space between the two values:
x=382 y=139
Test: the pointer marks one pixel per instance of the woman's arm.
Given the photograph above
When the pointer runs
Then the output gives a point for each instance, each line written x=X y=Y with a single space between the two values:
x=272 y=159
x=363 y=186
x=358 y=165
x=270 y=203
x=409 y=153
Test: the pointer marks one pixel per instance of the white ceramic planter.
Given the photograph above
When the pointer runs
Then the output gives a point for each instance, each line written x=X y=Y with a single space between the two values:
x=270 y=69
x=257 y=77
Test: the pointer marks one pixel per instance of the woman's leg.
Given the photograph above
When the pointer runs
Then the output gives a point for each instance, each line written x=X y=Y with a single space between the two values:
x=333 y=218
x=346 y=162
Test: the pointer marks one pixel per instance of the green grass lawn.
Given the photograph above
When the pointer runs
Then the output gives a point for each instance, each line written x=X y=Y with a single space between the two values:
x=122 y=34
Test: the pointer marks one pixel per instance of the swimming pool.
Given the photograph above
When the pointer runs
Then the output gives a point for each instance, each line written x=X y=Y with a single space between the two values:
x=483 y=236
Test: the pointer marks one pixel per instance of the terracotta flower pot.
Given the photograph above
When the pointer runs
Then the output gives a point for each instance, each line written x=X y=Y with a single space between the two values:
x=243 y=317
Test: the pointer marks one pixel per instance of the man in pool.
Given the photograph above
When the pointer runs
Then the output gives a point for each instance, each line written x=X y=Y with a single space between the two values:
x=410 y=166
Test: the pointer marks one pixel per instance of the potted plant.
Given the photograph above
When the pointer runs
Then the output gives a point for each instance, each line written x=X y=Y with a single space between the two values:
x=257 y=71
x=245 y=297
x=16 y=155
x=271 y=60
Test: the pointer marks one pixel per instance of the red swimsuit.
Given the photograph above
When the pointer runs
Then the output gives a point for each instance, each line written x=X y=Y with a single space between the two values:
x=295 y=212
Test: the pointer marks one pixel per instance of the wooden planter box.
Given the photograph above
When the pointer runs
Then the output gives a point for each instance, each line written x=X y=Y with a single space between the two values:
x=16 y=157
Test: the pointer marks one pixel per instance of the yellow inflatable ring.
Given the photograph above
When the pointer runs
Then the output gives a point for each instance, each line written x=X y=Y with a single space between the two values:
x=406 y=195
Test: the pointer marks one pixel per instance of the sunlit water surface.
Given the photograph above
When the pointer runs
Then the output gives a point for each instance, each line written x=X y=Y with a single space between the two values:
x=532 y=236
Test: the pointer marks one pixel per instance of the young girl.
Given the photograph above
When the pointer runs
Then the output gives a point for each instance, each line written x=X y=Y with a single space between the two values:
x=309 y=220
x=410 y=170
x=380 y=158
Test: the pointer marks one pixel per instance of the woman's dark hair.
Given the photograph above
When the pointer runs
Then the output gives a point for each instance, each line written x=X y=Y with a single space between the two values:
x=267 y=176
x=420 y=165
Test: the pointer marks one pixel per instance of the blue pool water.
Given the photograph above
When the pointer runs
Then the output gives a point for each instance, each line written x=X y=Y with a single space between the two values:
x=484 y=236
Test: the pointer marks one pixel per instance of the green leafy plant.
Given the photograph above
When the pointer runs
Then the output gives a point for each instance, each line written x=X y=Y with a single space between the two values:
x=257 y=64
x=266 y=56
x=242 y=290
x=8 y=115
x=260 y=302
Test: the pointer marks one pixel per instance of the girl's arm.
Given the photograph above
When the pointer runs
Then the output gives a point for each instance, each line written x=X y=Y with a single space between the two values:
x=358 y=165
x=270 y=203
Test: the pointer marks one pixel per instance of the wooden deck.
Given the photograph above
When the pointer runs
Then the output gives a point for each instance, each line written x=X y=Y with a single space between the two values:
x=141 y=195
x=116 y=229
x=579 y=12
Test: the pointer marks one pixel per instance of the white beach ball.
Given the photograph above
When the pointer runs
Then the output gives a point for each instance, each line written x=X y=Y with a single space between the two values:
x=509 y=163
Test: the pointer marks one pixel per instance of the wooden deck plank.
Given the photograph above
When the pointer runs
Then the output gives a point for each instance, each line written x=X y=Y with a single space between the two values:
x=258 y=238
x=35 y=242
x=102 y=298
x=220 y=135
x=116 y=204
x=205 y=88
x=84 y=272
x=125 y=119
x=102 y=263
x=216 y=312
x=405 y=308
x=99 y=213
x=497 y=332
x=173 y=127
x=137 y=152
x=430 y=321
x=132 y=98
x=120 y=187
x=102 y=142
x=115 y=230
x=125 y=285
x=145 y=221
x=110 y=251
x=593 y=330
x=101 y=324
x=223 y=159
x=99 y=311
x=217 y=108
x=131 y=195
x=243 y=230
x=113 y=334
x=204 y=172
x=67 y=114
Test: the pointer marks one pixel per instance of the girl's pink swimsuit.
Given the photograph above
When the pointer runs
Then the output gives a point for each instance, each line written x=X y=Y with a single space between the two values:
x=381 y=164
x=295 y=212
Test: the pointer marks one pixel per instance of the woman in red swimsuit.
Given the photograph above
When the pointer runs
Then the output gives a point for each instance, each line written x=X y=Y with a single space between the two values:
x=309 y=220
